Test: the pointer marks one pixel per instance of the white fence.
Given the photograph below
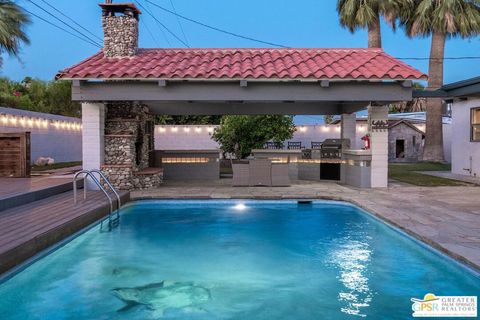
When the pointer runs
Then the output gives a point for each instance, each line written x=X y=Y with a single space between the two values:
x=52 y=136
x=191 y=137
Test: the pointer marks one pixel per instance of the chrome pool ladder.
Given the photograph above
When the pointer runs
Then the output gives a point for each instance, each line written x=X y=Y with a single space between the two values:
x=113 y=217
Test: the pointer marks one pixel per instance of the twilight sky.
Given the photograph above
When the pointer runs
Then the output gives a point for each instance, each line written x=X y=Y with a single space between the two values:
x=300 y=23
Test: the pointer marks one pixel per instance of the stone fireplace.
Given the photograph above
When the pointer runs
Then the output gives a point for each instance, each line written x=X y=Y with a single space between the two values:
x=129 y=147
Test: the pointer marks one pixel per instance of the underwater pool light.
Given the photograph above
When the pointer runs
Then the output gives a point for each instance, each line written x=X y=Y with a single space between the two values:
x=240 y=207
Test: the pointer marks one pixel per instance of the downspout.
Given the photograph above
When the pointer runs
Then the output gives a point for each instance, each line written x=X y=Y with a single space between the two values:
x=470 y=170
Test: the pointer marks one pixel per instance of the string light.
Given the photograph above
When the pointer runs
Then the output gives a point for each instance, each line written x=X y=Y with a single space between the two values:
x=13 y=120
x=361 y=128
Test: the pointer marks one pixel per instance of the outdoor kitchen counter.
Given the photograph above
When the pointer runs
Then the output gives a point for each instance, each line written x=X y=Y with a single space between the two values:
x=278 y=155
x=185 y=165
x=356 y=169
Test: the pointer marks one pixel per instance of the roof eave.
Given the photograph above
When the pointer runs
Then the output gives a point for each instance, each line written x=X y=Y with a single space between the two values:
x=59 y=77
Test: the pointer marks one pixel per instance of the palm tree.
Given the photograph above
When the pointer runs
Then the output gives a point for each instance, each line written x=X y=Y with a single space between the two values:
x=12 y=24
x=441 y=19
x=414 y=105
x=361 y=14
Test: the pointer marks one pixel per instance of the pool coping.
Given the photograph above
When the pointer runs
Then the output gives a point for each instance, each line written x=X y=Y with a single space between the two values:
x=464 y=262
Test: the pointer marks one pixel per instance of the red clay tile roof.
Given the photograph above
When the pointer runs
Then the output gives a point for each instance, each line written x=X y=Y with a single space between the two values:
x=313 y=64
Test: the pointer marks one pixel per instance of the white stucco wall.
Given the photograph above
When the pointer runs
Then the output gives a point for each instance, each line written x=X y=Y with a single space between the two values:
x=188 y=137
x=447 y=142
x=51 y=135
x=462 y=148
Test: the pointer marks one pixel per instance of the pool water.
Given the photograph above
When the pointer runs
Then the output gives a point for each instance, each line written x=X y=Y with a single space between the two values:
x=231 y=260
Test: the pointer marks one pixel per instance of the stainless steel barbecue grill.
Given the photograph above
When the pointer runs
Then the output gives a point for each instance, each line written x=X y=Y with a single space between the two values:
x=332 y=148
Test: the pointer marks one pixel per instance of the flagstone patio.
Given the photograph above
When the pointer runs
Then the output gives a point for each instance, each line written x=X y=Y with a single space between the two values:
x=447 y=218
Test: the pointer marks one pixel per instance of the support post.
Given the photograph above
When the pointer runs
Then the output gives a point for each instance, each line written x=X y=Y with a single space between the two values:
x=378 y=129
x=349 y=128
x=93 y=139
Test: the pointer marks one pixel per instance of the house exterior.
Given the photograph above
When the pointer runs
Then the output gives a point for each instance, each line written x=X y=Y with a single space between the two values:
x=418 y=119
x=412 y=123
x=464 y=97
x=405 y=142
x=123 y=86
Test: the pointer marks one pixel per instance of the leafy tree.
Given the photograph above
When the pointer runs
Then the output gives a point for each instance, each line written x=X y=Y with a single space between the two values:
x=37 y=95
x=414 y=105
x=328 y=119
x=238 y=135
x=440 y=19
x=59 y=99
x=188 y=119
x=361 y=14
x=12 y=24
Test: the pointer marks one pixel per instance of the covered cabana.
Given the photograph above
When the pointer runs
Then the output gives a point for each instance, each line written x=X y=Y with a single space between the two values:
x=123 y=80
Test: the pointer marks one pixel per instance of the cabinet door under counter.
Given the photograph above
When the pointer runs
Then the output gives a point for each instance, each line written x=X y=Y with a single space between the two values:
x=356 y=168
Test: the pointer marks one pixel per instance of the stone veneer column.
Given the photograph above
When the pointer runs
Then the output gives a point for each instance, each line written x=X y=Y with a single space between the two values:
x=349 y=128
x=93 y=141
x=379 y=146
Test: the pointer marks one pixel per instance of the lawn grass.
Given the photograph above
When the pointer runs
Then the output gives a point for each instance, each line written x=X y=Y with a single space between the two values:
x=59 y=165
x=407 y=173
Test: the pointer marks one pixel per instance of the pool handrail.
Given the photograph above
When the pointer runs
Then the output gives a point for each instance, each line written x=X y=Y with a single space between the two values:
x=88 y=173
x=119 y=201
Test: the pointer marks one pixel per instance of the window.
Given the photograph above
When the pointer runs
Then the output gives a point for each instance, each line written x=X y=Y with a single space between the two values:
x=475 y=125
x=414 y=142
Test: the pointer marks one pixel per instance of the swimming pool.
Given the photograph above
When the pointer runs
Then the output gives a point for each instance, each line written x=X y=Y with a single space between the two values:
x=234 y=260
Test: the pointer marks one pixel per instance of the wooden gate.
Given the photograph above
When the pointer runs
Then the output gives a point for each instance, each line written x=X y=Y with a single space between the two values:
x=15 y=154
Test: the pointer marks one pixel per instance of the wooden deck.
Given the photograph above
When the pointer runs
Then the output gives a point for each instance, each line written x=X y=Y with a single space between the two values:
x=28 y=229
x=14 y=186
x=15 y=192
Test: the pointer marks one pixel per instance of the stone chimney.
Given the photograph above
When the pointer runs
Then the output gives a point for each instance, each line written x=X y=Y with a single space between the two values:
x=120 y=29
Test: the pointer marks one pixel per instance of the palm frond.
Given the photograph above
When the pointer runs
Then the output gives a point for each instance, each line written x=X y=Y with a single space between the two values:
x=12 y=27
x=452 y=17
